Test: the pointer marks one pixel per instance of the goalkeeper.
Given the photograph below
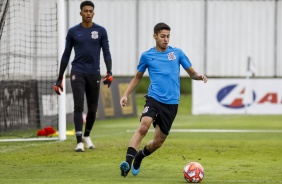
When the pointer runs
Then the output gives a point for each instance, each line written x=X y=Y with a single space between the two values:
x=87 y=38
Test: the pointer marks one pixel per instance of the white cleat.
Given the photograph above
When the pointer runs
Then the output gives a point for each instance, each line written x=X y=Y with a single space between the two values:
x=79 y=147
x=89 y=144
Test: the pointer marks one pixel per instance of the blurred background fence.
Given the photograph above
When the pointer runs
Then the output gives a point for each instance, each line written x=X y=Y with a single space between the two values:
x=218 y=35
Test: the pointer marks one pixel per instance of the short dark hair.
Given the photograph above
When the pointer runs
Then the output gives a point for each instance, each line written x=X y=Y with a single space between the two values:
x=86 y=3
x=161 y=26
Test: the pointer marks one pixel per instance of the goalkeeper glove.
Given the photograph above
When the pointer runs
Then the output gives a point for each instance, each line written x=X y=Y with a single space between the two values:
x=58 y=86
x=108 y=79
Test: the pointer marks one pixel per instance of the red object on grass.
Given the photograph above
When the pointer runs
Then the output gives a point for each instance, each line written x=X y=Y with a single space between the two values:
x=46 y=131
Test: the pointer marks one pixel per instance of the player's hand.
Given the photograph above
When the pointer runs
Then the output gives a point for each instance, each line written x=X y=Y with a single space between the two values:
x=123 y=101
x=58 y=86
x=108 y=79
x=203 y=78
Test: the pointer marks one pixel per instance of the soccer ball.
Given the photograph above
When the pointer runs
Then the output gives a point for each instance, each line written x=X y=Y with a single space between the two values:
x=193 y=172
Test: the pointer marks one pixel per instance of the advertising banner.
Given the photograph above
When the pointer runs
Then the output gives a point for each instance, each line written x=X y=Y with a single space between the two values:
x=108 y=105
x=237 y=96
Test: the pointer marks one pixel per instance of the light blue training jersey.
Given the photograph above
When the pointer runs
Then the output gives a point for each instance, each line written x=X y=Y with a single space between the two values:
x=164 y=71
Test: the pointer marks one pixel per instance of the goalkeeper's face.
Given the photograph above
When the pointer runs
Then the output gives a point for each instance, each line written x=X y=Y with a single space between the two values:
x=87 y=14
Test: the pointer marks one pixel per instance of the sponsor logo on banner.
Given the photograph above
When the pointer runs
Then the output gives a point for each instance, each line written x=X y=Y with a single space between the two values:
x=236 y=96
x=237 y=101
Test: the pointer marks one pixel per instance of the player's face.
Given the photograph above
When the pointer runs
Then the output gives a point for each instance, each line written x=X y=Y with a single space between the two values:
x=87 y=14
x=162 y=40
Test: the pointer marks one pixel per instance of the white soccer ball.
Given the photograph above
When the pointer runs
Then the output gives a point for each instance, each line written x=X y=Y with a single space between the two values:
x=193 y=172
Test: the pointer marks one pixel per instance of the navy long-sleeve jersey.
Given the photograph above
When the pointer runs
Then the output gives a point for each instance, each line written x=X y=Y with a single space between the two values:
x=87 y=44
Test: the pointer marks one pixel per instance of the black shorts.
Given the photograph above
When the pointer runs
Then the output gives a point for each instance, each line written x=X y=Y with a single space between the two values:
x=88 y=85
x=162 y=114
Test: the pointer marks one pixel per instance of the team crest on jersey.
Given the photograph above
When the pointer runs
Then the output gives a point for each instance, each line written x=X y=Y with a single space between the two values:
x=94 y=34
x=171 y=56
x=145 y=109
x=73 y=77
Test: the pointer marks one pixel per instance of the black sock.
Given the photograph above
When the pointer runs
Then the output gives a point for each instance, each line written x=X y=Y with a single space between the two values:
x=78 y=137
x=86 y=133
x=139 y=157
x=130 y=154
x=77 y=118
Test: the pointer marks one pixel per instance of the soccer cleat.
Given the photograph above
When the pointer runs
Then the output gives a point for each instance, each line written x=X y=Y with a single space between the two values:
x=124 y=168
x=79 y=147
x=88 y=142
x=135 y=171
x=138 y=166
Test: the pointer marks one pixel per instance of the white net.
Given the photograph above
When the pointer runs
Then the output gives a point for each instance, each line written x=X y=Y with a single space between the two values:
x=28 y=64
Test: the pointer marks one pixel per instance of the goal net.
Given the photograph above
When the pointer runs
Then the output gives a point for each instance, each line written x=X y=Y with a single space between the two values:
x=28 y=65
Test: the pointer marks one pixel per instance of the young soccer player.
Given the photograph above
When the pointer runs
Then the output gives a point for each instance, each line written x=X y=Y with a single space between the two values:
x=163 y=63
x=87 y=38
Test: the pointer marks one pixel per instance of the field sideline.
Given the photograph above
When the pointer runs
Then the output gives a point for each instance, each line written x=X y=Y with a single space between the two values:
x=231 y=148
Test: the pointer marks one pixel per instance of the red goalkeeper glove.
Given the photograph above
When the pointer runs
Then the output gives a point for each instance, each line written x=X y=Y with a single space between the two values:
x=108 y=79
x=58 y=86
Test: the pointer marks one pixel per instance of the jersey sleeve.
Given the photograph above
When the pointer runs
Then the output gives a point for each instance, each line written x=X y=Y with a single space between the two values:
x=68 y=47
x=184 y=60
x=105 y=46
x=142 y=66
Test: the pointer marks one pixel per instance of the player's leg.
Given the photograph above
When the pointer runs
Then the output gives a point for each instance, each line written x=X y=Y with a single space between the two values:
x=141 y=132
x=134 y=144
x=78 y=86
x=162 y=124
x=153 y=145
x=157 y=142
x=92 y=90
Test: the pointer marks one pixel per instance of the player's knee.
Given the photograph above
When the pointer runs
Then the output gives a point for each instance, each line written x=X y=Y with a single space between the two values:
x=91 y=116
x=145 y=125
x=142 y=130
x=92 y=109
x=157 y=143
x=78 y=106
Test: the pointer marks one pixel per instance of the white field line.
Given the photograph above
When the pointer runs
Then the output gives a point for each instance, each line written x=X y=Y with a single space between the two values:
x=217 y=131
x=29 y=139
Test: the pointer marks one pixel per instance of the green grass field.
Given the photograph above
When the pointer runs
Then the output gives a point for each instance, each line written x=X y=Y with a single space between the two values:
x=228 y=157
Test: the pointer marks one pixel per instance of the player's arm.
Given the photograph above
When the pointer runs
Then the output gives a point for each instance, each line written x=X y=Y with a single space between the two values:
x=58 y=87
x=132 y=85
x=194 y=75
x=108 y=79
x=107 y=58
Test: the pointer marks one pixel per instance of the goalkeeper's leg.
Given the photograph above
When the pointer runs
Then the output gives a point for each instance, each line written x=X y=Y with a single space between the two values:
x=78 y=86
x=92 y=91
